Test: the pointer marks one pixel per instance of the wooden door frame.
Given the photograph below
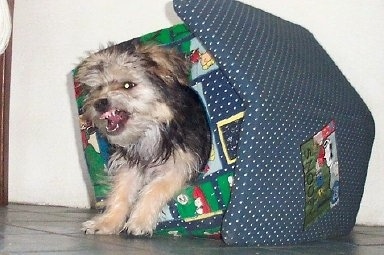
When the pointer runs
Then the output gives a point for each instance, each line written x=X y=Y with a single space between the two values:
x=5 y=75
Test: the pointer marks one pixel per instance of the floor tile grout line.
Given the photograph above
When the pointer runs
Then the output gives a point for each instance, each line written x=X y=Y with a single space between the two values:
x=34 y=229
x=74 y=236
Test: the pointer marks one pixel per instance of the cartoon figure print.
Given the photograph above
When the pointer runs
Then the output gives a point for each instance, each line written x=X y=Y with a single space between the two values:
x=205 y=58
x=333 y=165
x=328 y=156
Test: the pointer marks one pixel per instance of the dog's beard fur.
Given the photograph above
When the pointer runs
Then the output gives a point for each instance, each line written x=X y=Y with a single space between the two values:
x=139 y=99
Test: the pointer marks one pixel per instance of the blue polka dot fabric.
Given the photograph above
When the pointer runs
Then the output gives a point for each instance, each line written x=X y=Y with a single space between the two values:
x=294 y=104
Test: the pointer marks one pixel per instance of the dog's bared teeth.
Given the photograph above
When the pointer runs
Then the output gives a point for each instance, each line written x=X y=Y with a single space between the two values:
x=115 y=119
x=105 y=116
x=109 y=114
x=116 y=128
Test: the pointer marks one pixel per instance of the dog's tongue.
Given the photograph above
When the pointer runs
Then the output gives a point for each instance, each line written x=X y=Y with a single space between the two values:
x=114 y=118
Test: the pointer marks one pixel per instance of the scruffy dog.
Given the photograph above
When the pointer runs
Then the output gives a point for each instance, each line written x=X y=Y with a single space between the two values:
x=139 y=99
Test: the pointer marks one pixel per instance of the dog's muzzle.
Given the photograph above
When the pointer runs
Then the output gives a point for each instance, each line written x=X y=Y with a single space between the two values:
x=116 y=118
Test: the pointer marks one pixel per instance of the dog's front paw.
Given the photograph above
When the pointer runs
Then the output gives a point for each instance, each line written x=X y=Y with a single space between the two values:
x=99 y=226
x=140 y=226
x=89 y=227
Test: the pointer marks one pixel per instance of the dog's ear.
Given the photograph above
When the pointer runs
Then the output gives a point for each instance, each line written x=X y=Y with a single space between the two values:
x=168 y=64
x=92 y=71
x=89 y=71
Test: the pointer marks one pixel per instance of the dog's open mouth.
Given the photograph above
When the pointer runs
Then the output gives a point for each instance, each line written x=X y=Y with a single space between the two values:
x=116 y=119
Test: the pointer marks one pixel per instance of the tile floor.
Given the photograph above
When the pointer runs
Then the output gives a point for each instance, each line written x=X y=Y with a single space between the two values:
x=26 y=229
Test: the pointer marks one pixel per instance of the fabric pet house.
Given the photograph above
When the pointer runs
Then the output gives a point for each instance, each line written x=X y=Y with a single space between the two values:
x=291 y=137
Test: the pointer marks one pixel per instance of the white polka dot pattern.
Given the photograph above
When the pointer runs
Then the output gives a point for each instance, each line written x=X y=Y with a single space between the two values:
x=291 y=88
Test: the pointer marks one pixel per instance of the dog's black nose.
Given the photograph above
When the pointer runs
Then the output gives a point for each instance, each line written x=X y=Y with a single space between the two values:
x=101 y=105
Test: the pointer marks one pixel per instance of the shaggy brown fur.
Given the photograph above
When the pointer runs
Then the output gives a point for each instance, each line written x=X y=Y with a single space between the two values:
x=139 y=99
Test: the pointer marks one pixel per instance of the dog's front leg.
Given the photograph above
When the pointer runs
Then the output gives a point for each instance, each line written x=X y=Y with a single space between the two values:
x=126 y=185
x=153 y=197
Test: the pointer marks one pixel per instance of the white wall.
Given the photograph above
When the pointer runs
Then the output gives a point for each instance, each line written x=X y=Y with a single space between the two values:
x=46 y=165
x=50 y=37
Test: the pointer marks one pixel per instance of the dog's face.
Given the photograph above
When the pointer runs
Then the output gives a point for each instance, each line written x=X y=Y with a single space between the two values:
x=128 y=90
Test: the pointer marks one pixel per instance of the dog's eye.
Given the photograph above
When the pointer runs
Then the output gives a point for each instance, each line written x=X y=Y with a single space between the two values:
x=129 y=84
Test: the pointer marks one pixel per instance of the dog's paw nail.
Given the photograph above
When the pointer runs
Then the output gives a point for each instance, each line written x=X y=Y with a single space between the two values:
x=89 y=231
x=89 y=227
x=136 y=230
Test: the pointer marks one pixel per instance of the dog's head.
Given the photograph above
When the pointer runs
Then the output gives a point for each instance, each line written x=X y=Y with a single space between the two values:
x=128 y=86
